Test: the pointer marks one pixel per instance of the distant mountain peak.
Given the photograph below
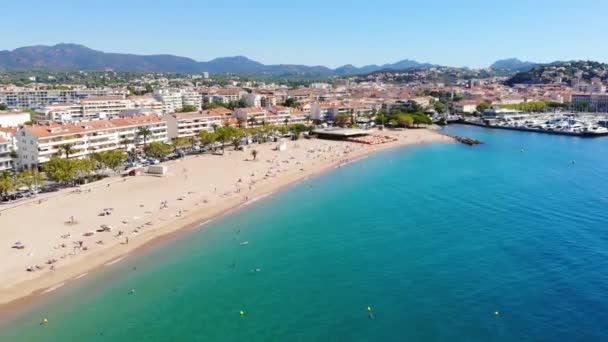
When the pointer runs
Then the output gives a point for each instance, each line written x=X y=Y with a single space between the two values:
x=513 y=64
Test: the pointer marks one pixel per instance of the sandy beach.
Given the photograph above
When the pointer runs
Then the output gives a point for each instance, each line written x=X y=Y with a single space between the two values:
x=56 y=227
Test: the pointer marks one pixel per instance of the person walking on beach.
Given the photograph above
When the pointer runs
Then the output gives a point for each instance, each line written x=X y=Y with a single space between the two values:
x=127 y=240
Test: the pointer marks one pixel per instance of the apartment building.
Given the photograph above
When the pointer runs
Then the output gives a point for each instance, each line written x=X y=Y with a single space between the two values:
x=104 y=107
x=13 y=118
x=36 y=144
x=192 y=98
x=226 y=95
x=6 y=161
x=146 y=103
x=591 y=102
x=251 y=116
x=329 y=110
x=182 y=125
x=24 y=98
x=278 y=115
x=171 y=99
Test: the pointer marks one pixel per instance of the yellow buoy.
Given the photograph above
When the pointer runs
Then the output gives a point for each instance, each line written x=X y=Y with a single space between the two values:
x=45 y=321
x=242 y=313
x=369 y=308
x=496 y=313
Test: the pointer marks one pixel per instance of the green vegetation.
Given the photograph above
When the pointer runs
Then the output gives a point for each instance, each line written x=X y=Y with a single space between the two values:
x=188 y=109
x=144 y=133
x=537 y=106
x=112 y=159
x=401 y=119
x=3 y=106
x=157 y=149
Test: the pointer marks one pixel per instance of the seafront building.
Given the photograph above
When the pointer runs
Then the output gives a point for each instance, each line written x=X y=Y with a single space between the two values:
x=24 y=98
x=98 y=108
x=597 y=102
x=38 y=143
x=183 y=125
x=6 y=160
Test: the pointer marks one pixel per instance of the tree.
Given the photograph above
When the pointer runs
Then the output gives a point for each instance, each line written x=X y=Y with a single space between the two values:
x=381 y=119
x=291 y=102
x=439 y=107
x=3 y=106
x=254 y=154
x=252 y=121
x=237 y=139
x=7 y=183
x=181 y=142
x=85 y=167
x=404 y=120
x=61 y=170
x=207 y=138
x=157 y=149
x=286 y=121
x=144 y=132
x=482 y=107
x=126 y=142
x=225 y=134
x=188 y=109
x=342 y=119
x=30 y=178
x=112 y=159
x=66 y=149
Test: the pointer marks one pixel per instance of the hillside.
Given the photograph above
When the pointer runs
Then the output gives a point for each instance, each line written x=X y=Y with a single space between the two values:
x=79 y=57
x=561 y=72
x=513 y=64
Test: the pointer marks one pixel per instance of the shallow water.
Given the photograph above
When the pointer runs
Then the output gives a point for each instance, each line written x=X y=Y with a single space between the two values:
x=434 y=238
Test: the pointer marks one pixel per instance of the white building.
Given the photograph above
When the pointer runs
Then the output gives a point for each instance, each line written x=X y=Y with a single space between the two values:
x=253 y=100
x=192 y=98
x=181 y=125
x=251 y=116
x=36 y=144
x=25 y=98
x=13 y=118
x=171 y=99
x=104 y=107
x=6 y=161
x=465 y=106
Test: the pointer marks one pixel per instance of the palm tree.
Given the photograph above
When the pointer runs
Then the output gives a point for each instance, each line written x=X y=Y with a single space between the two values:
x=252 y=121
x=125 y=142
x=144 y=132
x=307 y=119
x=286 y=121
x=66 y=149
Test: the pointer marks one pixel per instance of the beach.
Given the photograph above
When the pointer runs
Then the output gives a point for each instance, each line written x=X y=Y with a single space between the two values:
x=60 y=231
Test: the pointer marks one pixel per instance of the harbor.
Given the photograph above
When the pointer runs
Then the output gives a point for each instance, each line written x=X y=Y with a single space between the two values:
x=562 y=123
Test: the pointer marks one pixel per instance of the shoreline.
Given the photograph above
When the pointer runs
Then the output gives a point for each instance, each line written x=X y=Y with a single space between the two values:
x=21 y=294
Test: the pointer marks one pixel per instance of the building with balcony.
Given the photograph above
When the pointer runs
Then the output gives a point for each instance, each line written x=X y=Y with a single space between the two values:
x=25 y=98
x=36 y=144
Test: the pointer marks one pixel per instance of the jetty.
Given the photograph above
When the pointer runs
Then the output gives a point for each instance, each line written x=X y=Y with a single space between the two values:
x=464 y=140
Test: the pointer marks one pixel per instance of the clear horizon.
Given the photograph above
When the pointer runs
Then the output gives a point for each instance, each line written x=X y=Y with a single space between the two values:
x=469 y=33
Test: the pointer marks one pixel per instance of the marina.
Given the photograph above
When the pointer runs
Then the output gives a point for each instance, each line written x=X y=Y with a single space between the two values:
x=574 y=124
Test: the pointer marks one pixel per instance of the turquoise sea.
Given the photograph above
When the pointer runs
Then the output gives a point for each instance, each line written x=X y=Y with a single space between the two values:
x=436 y=239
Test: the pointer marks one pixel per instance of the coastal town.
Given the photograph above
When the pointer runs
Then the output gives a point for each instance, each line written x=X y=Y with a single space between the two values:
x=68 y=152
x=39 y=115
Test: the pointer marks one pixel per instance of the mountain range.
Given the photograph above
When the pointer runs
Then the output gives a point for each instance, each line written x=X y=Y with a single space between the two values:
x=79 y=57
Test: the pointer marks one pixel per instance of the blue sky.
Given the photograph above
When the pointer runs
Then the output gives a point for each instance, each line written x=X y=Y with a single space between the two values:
x=449 y=32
